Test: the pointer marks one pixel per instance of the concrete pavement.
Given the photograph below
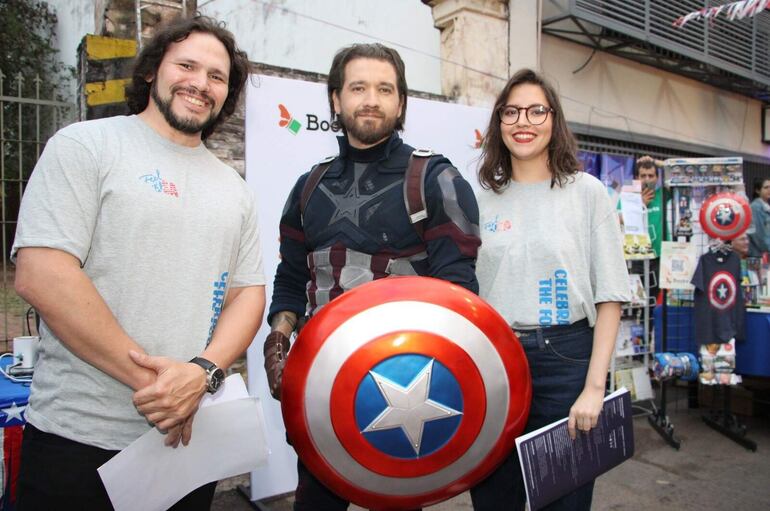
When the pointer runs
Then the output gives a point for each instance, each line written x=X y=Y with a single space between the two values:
x=709 y=473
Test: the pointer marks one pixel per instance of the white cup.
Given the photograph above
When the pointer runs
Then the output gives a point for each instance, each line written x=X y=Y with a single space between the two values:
x=25 y=350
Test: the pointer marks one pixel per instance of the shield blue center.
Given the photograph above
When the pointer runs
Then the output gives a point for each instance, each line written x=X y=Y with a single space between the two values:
x=725 y=215
x=400 y=373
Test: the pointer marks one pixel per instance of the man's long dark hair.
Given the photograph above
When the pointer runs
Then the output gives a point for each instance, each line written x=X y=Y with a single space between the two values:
x=495 y=171
x=366 y=51
x=148 y=62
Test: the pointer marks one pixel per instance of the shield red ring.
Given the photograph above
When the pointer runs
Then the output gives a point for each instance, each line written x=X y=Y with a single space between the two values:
x=722 y=290
x=725 y=215
x=377 y=323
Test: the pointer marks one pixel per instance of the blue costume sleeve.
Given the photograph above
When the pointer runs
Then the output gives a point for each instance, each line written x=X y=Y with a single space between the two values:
x=452 y=227
x=292 y=274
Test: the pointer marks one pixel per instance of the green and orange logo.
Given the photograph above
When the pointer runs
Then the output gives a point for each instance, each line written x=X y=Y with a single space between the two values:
x=479 y=140
x=287 y=121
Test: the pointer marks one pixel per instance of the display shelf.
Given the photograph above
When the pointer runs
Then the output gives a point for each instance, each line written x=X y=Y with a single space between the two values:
x=694 y=185
x=639 y=313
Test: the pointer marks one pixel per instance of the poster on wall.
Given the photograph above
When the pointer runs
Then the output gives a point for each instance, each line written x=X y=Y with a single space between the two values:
x=616 y=170
x=678 y=260
x=287 y=132
x=590 y=163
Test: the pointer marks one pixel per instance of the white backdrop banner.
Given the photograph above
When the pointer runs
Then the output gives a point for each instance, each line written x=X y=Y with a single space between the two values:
x=287 y=132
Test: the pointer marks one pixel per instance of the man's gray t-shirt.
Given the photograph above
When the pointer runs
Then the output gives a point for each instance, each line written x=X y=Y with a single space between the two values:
x=161 y=230
x=549 y=255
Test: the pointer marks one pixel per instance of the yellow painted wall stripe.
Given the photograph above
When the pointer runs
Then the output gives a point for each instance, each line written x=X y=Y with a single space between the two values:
x=102 y=48
x=102 y=93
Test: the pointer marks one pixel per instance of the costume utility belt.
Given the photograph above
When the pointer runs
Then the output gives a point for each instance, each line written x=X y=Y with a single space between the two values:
x=355 y=268
x=334 y=270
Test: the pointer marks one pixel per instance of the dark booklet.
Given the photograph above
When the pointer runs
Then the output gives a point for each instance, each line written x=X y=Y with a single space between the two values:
x=554 y=465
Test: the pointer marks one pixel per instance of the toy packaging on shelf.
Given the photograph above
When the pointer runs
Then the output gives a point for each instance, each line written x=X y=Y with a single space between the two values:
x=669 y=365
x=704 y=171
x=638 y=294
x=692 y=181
x=718 y=364
x=751 y=269
x=763 y=287
x=636 y=238
x=636 y=380
x=630 y=339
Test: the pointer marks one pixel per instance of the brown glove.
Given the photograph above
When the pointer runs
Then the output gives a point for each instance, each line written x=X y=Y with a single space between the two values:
x=275 y=349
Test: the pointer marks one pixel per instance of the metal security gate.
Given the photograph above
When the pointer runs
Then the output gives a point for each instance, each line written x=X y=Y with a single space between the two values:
x=26 y=122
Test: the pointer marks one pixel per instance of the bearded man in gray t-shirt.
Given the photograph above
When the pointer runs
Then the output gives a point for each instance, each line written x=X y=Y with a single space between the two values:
x=140 y=250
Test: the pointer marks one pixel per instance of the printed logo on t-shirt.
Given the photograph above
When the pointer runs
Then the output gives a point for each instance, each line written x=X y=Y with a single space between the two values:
x=217 y=300
x=159 y=184
x=554 y=299
x=722 y=290
x=497 y=225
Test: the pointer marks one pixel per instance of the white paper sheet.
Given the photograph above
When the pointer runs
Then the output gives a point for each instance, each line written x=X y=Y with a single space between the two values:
x=633 y=213
x=228 y=439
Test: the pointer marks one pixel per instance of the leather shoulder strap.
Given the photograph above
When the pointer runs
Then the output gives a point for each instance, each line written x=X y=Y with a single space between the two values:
x=414 y=189
x=316 y=174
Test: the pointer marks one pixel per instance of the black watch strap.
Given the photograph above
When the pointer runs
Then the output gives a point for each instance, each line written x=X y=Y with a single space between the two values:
x=206 y=364
x=214 y=375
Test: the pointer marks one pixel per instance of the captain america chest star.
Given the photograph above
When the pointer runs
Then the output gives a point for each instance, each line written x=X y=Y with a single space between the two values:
x=362 y=207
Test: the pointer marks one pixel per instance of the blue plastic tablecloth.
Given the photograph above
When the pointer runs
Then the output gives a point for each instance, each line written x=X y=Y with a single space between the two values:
x=752 y=355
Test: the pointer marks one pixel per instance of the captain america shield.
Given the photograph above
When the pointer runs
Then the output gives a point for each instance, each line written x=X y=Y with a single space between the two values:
x=722 y=290
x=404 y=392
x=725 y=215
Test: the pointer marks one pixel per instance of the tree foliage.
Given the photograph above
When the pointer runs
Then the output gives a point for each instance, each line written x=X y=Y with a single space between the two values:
x=27 y=32
x=27 y=35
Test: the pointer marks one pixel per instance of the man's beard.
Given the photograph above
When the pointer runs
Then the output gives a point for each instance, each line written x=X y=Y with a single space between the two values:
x=367 y=132
x=189 y=126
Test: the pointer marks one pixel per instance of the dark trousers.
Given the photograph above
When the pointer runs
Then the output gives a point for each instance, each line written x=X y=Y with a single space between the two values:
x=57 y=473
x=558 y=360
x=312 y=495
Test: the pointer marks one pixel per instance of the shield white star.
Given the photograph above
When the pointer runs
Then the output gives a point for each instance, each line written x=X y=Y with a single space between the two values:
x=14 y=412
x=409 y=408
x=725 y=215
x=722 y=291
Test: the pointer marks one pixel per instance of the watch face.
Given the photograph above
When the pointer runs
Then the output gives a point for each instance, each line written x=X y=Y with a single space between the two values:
x=217 y=377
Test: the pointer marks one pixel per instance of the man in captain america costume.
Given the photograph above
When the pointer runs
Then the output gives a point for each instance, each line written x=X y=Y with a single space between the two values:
x=359 y=216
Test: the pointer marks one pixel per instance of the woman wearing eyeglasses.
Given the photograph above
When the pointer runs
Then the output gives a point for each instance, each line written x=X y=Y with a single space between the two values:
x=551 y=262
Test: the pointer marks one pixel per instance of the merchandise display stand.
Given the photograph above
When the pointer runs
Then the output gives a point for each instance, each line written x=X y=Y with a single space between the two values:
x=727 y=423
x=690 y=181
x=659 y=419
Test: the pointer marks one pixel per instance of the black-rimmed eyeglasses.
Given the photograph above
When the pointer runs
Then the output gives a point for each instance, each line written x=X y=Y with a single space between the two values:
x=536 y=114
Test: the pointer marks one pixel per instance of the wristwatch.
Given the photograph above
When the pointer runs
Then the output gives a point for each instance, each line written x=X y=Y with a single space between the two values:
x=214 y=375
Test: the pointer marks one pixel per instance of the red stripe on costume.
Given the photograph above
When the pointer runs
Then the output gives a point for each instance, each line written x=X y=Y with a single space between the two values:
x=12 y=454
x=467 y=243
x=291 y=233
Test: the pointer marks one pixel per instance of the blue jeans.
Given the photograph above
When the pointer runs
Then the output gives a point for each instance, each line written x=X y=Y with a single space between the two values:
x=558 y=361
